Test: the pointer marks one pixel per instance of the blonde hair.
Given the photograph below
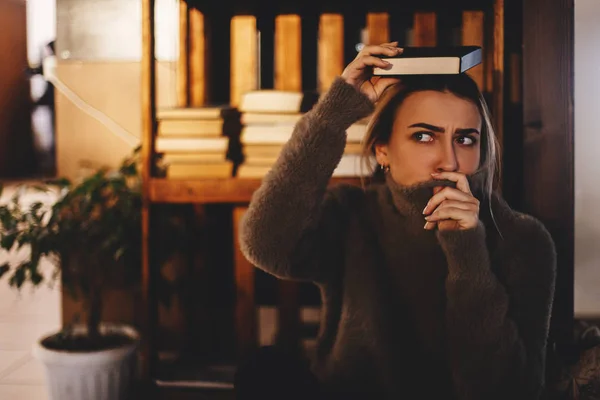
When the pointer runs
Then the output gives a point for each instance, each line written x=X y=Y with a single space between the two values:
x=380 y=126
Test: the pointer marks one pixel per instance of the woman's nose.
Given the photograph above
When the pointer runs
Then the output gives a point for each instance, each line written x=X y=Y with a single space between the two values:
x=448 y=161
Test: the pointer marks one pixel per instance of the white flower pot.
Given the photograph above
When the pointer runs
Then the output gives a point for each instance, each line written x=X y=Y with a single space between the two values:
x=96 y=375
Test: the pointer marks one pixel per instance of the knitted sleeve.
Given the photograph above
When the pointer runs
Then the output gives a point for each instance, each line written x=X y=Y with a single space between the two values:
x=497 y=332
x=292 y=219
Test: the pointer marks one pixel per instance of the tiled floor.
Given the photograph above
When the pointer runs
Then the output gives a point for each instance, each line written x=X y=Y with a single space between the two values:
x=24 y=317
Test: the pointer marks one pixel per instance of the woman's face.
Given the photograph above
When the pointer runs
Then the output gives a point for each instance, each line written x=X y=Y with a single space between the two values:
x=432 y=132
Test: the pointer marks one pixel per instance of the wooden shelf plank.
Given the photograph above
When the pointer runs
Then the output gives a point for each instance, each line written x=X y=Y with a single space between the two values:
x=217 y=190
x=288 y=52
x=378 y=29
x=183 y=61
x=244 y=57
x=330 y=49
x=181 y=374
x=425 y=26
x=197 y=58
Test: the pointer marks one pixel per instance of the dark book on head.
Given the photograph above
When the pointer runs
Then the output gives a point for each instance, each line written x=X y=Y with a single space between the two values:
x=432 y=61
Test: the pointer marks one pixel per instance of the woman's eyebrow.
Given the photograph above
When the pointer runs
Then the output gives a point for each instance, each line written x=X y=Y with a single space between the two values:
x=429 y=127
x=462 y=131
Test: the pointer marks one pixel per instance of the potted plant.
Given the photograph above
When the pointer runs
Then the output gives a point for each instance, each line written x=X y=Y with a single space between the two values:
x=93 y=233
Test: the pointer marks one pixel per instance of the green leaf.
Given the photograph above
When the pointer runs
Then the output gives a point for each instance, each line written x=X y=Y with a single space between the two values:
x=4 y=268
x=7 y=241
x=128 y=169
x=18 y=277
x=36 y=277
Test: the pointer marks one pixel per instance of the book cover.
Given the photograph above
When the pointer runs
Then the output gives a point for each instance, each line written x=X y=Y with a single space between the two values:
x=190 y=127
x=432 y=61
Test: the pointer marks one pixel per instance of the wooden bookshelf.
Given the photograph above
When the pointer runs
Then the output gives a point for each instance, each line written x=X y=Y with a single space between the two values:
x=483 y=26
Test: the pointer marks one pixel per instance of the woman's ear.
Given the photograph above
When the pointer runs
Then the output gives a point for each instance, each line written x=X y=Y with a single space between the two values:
x=381 y=154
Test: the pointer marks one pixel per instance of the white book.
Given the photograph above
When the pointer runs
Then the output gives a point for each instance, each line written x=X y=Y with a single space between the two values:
x=252 y=118
x=274 y=101
x=281 y=133
x=190 y=144
x=190 y=113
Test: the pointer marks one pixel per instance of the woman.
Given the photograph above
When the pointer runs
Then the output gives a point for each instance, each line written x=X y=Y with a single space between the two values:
x=432 y=286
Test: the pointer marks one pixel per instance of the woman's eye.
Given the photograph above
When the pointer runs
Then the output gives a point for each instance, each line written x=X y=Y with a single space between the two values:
x=465 y=140
x=423 y=137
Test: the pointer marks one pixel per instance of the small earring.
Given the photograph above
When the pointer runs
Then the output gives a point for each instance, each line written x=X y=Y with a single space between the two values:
x=385 y=168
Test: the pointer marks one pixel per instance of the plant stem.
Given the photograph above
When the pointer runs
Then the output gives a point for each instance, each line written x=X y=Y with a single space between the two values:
x=94 y=313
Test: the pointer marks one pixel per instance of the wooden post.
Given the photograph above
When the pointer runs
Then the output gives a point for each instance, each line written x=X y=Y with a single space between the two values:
x=425 y=29
x=498 y=90
x=197 y=59
x=548 y=145
x=183 y=61
x=378 y=28
x=473 y=35
x=288 y=52
x=488 y=54
x=288 y=76
x=330 y=60
x=515 y=79
x=243 y=57
x=245 y=310
x=148 y=101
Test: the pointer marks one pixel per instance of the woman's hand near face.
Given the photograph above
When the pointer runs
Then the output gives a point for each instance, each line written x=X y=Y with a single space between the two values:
x=359 y=73
x=450 y=208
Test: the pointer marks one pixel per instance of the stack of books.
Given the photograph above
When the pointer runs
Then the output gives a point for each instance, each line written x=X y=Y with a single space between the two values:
x=195 y=142
x=268 y=118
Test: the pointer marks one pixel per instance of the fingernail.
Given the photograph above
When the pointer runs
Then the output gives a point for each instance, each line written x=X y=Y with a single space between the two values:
x=425 y=210
x=427 y=218
x=387 y=62
x=425 y=227
x=434 y=174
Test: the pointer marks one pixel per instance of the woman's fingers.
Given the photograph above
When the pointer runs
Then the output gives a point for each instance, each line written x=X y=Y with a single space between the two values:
x=458 y=204
x=371 y=61
x=466 y=218
x=461 y=180
x=360 y=71
x=449 y=193
x=388 y=50
x=429 y=225
x=381 y=84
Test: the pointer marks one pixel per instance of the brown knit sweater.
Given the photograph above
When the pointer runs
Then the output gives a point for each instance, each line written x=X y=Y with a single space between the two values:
x=407 y=313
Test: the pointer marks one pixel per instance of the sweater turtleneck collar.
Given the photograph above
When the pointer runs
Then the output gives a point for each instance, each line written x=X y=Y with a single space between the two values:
x=411 y=200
